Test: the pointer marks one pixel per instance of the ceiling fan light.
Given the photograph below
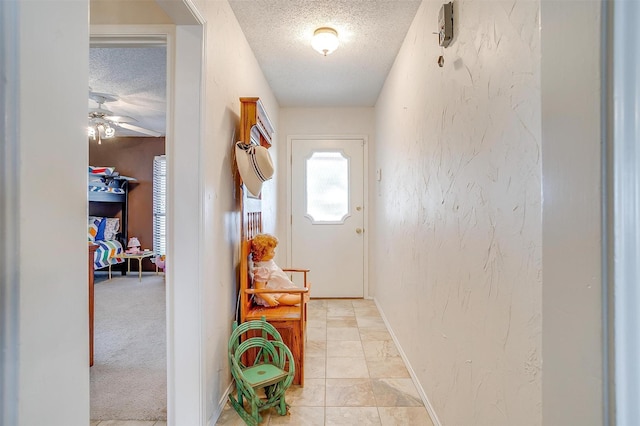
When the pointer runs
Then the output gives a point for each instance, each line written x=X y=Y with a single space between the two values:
x=91 y=131
x=109 y=132
x=325 y=40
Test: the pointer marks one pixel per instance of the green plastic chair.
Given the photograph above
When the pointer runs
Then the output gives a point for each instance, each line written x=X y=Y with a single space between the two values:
x=272 y=369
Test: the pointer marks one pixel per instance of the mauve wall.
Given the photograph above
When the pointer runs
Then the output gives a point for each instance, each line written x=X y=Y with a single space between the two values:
x=133 y=157
x=457 y=254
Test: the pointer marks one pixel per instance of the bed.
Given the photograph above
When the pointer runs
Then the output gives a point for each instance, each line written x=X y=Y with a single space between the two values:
x=107 y=222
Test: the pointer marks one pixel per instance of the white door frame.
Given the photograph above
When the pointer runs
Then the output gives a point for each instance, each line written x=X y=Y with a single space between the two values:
x=626 y=198
x=365 y=171
x=186 y=380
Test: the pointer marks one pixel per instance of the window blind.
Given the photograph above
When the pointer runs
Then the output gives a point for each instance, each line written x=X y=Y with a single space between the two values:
x=160 y=204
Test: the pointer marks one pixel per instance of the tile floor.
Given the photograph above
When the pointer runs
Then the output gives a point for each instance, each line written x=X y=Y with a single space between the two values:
x=354 y=374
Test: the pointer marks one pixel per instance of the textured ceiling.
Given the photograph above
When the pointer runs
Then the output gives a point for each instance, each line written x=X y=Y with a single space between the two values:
x=136 y=76
x=279 y=32
x=370 y=32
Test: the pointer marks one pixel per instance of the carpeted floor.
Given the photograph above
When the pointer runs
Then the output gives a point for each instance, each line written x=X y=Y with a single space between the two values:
x=128 y=377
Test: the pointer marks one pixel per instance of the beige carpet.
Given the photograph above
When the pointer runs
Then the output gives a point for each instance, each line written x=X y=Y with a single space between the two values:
x=128 y=377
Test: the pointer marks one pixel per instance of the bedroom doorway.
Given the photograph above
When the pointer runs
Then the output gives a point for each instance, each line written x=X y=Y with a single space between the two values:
x=184 y=31
x=185 y=42
x=128 y=86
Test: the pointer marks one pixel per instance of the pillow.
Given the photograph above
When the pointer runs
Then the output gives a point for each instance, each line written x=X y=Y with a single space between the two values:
x=93 y=225
x=111 y=228
x=101 y=226
x=101 y=171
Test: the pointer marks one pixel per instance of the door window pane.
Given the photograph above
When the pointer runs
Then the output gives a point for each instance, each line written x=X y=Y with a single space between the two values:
x=327 y=187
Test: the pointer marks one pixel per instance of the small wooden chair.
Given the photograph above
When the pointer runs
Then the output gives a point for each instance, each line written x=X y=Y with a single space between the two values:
x=272 y=369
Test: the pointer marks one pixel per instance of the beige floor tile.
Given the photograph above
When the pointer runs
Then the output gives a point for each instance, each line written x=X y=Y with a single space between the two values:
x=94 y=422
x=160 y=423
x=350 y=348
x=373 y=334
x=315 y=348
x=339 y=311
x=373 y=323
x=317 y=322
x=356 y=416
x=366 y=311
x=342 y=333
x=127 y=423
x=403 y=416
x=350 y=368
x=379 y=349
x=300 y=416
x=396 y=393
x=342 y=322
x=387 y=367
x=363 y=303
x=315 y=367
x=229 y=417
x=317 y=314
x=339 y=303
x=350 y=393
x=316 y=333
x=317 y=303
x=311 y=395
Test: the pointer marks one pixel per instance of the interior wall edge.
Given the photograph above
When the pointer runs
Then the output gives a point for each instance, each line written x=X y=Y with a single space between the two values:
x=9 y=215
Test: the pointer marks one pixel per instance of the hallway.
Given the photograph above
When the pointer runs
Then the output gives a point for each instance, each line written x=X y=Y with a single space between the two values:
x=490 y=212
x=354 y=374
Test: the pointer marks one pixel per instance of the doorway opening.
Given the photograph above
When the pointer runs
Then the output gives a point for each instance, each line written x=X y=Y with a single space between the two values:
x=184 y=35
x=128 y=115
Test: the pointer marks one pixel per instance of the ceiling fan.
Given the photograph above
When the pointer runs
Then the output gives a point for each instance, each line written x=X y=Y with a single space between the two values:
x=102 y=121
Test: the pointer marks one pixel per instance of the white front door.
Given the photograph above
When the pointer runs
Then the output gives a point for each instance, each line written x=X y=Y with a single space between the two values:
x=327 y=208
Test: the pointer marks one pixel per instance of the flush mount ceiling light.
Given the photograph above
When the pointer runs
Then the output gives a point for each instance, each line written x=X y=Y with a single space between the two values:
x=325 y=40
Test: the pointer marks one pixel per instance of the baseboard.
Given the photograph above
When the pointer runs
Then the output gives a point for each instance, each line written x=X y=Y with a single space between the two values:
x=221 y=403
x=414 y=377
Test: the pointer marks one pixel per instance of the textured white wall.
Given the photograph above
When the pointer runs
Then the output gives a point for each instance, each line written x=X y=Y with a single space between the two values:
x=53 y=369
x=458 y=245
x=231 y=72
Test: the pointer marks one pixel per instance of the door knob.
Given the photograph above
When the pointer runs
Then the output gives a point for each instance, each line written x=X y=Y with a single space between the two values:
x=359 y=230
x=358 y=208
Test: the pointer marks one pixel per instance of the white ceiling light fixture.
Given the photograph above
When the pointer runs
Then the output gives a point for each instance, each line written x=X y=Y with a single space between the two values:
x=325 y=40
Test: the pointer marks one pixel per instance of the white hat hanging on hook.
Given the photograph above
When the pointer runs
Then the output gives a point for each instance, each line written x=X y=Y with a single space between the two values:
x=255 y=166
